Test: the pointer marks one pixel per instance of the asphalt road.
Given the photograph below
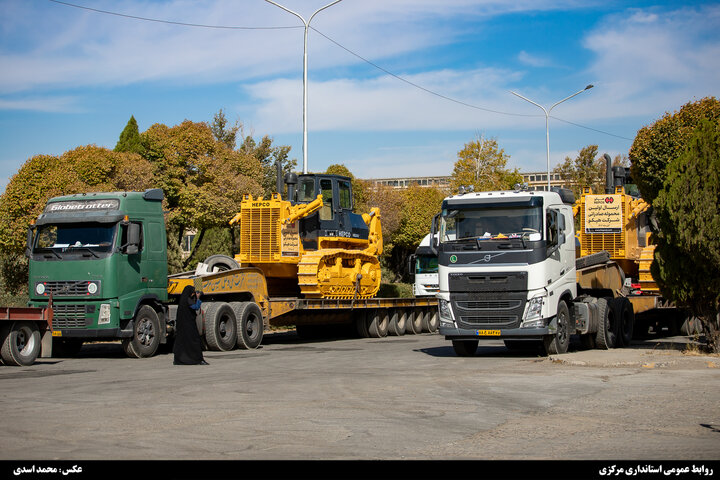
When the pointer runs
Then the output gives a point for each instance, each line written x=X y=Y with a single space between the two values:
x=394 y=398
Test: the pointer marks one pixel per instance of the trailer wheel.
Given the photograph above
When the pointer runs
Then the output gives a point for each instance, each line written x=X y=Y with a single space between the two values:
x=413 y=323
x=250 y=325
x=378 y=323
x=397 y=323
x=433 y=320
x=220 y=326
x=359 y=319
x=21 y=346
x=465 y=348
x=605 y=337
x=558 y=343
x=625 y=320
x=146 y=333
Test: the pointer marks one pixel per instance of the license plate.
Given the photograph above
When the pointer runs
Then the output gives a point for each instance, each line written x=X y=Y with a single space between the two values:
x=57 y=333
x=488 y=333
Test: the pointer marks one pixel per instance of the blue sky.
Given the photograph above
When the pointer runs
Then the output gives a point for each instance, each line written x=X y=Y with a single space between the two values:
x=432 y=76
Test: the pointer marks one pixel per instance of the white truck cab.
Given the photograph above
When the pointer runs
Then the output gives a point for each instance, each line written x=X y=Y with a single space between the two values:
x=423 y=264
x=506 y=266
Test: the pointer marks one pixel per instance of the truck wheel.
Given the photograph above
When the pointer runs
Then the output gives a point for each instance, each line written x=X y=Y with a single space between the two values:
x=250 y=325
x=397 y=323
x=465 y=348
x=691 y=326
x=21 y=346
x=413 y=322
x=378 y=323
x=220 y=326
x=558 y=343
x=625 y=320
x=146 y=333
x=605 y=337
x=433 y=320
x=361 y=323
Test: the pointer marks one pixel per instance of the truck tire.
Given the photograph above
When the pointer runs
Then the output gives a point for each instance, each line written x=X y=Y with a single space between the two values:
x=433 y=320
x=378 y=323
x=397 y=322
x=221 y=262
x=220 y=326
x=691 y=326
x=250 y=325
x=413 y=322
x=625 y=320
x=361 y=323
x=605 y=338
x=465 y=348
x=21 y=346
x=146 y=333
x=558 y=343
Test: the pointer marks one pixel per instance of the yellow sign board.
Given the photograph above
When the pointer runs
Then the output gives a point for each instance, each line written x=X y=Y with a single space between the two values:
x=603 y=214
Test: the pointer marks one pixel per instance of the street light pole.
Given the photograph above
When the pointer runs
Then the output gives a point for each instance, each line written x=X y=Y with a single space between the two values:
x=547 y=123
x=307 y=26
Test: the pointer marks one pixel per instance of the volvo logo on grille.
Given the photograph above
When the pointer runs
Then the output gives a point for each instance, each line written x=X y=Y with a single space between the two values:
x=489 y=257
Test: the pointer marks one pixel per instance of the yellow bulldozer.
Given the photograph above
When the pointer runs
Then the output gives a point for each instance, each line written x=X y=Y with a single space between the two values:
x=311 y=244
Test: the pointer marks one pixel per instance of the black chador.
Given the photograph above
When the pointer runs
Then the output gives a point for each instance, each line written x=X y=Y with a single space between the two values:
x=188 y=345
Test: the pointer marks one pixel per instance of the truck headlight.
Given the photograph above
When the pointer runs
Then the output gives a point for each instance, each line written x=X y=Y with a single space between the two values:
x=533 y=313
x=446 y=314
x=104 y=316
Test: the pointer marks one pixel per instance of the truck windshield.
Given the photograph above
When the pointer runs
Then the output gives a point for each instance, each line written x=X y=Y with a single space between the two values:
x=490 y=222
x=66 y=237
x=426 y=264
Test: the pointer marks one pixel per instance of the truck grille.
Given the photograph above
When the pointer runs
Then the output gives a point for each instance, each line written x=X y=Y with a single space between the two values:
x=68 y=316
x=478 y=309
x=66 y=288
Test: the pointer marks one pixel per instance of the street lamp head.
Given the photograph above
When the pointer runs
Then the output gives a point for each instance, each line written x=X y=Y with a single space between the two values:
x=589 y=87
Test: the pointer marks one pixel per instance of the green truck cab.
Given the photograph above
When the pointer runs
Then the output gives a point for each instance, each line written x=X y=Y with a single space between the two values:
x=102 y=259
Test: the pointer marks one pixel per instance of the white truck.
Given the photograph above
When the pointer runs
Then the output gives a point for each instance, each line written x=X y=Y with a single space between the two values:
x=423 y=265
x=508 y=269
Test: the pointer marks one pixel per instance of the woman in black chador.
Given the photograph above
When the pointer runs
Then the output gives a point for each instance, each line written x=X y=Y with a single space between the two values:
x=188 y=345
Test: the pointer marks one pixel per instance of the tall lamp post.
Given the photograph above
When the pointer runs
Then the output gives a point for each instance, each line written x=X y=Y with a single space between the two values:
x=307 y=27
x=547 y=122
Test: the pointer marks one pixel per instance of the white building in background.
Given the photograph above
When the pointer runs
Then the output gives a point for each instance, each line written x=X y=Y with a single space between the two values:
x=535 y=181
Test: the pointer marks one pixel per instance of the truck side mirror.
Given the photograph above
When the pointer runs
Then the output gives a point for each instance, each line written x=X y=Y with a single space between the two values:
x=561 y=228
x=433 y=237
x=411 y=264
x=133 y=239
x=29 y=242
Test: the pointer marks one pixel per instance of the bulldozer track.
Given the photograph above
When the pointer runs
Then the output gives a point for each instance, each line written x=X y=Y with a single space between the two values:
x=333 y=274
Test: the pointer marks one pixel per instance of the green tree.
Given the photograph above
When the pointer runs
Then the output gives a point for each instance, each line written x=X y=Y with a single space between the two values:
x=268 y=155
x=585 y=170
x=129 y=138
x=419 y=206
x=660 y=143
x=204 y=180
x=482 y=165
x=221 y=131
x=687 y=255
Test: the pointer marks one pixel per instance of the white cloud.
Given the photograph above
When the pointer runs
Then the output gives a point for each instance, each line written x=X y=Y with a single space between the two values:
x=41 y=104
x=56 y=46
x=533 y=60
x=646 y=60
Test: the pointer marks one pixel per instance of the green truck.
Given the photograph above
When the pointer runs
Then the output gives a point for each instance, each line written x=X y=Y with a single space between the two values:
x=98 y=267
x=102 y=259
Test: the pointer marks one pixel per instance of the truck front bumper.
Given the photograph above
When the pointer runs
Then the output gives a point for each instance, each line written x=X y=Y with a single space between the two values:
x=455 y=333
